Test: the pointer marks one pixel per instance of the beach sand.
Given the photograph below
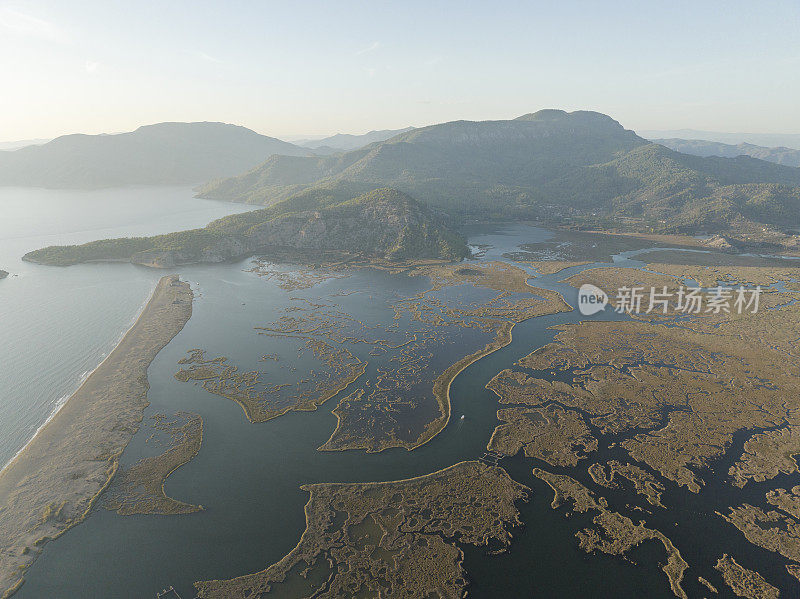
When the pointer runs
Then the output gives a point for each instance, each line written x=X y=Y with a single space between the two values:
x=54 y=482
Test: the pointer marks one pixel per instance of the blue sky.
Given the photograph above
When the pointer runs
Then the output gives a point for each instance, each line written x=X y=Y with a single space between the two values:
x=304 y=68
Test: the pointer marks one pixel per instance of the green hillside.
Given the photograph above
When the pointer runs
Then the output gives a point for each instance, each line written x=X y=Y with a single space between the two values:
x=579 y=167
x=383 y=223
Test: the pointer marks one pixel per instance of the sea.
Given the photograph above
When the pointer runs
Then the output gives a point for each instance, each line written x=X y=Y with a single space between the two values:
x=57 y=324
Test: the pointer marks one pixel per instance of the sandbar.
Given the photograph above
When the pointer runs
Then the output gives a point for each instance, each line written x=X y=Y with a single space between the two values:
x=55 y=481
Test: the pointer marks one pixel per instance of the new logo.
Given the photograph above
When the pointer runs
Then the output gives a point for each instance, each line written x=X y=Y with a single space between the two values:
x=591 y=300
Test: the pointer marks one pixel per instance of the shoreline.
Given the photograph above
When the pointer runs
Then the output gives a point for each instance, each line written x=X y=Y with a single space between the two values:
x=64 y=398
x=53 y=483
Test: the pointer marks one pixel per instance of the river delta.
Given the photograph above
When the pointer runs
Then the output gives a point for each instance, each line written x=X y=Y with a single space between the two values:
x=422 y=430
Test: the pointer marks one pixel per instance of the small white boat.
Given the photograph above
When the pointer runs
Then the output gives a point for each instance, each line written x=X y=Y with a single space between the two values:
x=463 y=416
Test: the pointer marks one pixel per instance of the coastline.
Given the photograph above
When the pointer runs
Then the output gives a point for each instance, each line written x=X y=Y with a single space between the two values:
x=63 y=399
x=54 y=481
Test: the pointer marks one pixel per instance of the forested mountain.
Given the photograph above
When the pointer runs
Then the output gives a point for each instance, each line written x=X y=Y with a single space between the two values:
x=701 y=147
x=383 y=223
x=162 y=154
x=579 y=166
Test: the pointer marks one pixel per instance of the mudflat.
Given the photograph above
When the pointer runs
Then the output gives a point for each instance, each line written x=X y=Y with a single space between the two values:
x=54 y=482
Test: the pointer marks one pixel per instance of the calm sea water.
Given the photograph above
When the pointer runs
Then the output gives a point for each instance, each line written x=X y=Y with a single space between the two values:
x=57 y=324
x=248 y=476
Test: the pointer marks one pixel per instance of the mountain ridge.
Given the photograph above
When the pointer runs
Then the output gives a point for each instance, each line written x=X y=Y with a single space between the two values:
x=582 y=167
x=770 y=140
x=169 y=153
x=701 y=147
x=348 y=141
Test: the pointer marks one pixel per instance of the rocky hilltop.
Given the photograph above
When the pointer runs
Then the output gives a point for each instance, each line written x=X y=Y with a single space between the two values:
x=383 y=223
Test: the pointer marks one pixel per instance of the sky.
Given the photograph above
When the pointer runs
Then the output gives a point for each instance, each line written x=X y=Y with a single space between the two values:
x=291 y=69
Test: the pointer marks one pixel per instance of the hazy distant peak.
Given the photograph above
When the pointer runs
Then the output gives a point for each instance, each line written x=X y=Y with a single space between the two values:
x=188 y=125
x=172 y=153
x=578 y=117
x=22 y=143
x=768 y=140
x=543 y=115
x=698 y=147
x=346 y=141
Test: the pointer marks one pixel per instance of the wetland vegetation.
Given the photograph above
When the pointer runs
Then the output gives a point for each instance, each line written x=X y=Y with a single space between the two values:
x=625 y=418
x=396 y=539
x=139 y=489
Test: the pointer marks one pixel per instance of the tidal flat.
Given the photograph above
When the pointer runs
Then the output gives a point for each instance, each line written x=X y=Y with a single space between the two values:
x=254 y=477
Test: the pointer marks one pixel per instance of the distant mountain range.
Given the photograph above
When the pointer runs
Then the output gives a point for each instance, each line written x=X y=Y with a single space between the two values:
x=582 y=168
x=343 y=141
x=700 y=147
x=769 y=140
x=579 y=167
x=14 y=145
x=162 y=154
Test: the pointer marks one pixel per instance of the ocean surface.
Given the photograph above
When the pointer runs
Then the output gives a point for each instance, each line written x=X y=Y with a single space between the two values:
x=57 y=324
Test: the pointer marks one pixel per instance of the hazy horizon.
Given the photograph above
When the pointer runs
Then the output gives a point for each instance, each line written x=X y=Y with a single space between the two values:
x=688 y=133
x=359 y=67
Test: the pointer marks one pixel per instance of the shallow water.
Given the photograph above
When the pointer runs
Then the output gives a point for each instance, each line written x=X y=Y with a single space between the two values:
x=57 y=324
x=248 y=476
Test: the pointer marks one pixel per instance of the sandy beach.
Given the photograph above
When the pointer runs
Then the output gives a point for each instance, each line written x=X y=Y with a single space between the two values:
x=53 y=483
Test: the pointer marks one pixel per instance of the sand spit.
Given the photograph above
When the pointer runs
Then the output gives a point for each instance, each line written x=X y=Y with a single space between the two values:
x=53 y=484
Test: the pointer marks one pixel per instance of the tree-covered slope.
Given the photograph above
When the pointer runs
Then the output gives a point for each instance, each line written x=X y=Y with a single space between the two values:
x=550 y=164
x=451 y=165
x=162 y=154
x=382 y=223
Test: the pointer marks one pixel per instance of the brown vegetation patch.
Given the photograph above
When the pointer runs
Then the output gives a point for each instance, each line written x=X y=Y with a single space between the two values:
x=766 y=455
x=388 y=539
x=613 y=533
x=776 y=530
x=140 y=488
x=551 y=267
x=644 y=483
x=552 y=434
x=744 y=582
x=265 y=402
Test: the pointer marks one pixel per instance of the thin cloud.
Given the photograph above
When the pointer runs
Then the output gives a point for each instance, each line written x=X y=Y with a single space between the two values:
x=208 y=57
x=29 y=26
x=371 y=48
